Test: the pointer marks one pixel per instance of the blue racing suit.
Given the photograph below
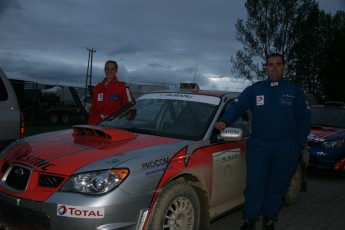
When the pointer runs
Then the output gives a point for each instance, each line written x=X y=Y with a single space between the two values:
x=280 y=126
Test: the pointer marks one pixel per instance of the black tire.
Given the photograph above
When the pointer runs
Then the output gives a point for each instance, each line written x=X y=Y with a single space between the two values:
x=65 y=118
x=294 y=189
x=177 y=208
x=53 y=117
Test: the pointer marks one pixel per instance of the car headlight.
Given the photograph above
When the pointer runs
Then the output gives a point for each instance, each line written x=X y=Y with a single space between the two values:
x=95 y=183
x=336 y=144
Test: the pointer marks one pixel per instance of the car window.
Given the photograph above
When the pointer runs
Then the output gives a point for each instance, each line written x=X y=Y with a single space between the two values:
x=244 y=122
x=328 y=116
x=311 y=99
x=164 y=117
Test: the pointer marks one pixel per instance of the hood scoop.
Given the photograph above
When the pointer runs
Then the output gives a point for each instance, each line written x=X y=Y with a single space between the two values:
x=91 y=135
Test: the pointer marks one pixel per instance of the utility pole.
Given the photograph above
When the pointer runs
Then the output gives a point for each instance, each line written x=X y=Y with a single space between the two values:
x=196 y=68
x=89 y=74
x=89 y=67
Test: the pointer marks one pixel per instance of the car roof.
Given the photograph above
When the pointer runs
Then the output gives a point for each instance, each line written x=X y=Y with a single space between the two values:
x=328 y=106
x=334 y=103
x=215 y=93
x=193 y=88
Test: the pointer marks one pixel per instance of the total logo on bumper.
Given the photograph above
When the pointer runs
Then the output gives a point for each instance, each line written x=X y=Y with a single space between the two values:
x=79 y=211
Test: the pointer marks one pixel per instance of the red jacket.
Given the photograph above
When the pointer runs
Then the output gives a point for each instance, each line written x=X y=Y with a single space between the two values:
x=108 y=99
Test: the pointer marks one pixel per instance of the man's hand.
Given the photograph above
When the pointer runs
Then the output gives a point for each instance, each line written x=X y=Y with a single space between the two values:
x=220 y=125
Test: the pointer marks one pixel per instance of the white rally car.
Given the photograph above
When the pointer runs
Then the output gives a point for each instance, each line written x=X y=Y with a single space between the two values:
x=158 y=163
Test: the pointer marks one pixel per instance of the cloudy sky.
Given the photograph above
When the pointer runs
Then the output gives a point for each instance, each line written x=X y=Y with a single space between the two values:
x=153 y=41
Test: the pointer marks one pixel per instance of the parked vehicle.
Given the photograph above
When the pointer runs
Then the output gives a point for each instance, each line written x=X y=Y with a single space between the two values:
x=11 y=118
x=326 y=141
x=86 y=101
x=57 y=104
x=334 y=103
x=157 y=163
x=311 y=99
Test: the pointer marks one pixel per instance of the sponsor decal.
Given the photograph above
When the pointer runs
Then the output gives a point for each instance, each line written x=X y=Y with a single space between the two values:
x=155 y=163
x=79 y=212
x=322 y=135
x=226 y=156
x=231 y=131
x=185 y=97
x=36 y=161
x=100 y=97
x=260 y=100
x=179 y=95
x=114 y=97
x=155 y=166
x=288 y=95
x=315 y=138
x=155 y=171
x=286 y=100
x=113 y=161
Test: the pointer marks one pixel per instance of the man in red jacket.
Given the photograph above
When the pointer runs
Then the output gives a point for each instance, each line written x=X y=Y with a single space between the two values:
x=108 y=95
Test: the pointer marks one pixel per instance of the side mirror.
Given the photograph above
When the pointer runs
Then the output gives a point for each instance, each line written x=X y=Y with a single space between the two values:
x=231 y=134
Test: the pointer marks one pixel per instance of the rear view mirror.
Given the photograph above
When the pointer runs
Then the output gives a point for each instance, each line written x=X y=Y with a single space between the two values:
x=231 y=134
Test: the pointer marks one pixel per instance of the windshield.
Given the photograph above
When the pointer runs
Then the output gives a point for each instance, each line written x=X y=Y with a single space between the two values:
x=334 y=117
x=178 y=116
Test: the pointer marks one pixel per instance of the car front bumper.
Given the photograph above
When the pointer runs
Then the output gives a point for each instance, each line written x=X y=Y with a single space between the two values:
x=16 y=213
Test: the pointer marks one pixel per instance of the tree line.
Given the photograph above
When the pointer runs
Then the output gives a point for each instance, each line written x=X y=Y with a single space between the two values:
x=311 y=40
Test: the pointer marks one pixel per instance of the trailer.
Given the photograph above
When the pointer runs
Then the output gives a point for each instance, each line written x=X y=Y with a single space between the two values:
x=56 y=104
x=64 y=112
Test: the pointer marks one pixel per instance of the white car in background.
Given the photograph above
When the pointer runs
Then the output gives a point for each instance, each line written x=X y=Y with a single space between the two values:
x=11 y=118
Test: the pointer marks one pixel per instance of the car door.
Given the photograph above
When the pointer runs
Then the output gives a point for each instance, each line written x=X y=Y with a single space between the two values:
x=229 y=169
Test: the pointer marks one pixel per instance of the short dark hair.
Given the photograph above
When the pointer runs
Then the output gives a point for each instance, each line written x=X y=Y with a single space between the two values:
x=111 y=61
x=275 y=55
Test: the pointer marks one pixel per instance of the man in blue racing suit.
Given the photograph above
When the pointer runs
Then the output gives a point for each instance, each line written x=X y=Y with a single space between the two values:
x=280 y=126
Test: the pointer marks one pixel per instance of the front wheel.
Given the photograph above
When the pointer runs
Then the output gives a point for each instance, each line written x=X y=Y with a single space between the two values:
x=65 y=118
x=53 y=117
x=294 y=188
x=177 y=208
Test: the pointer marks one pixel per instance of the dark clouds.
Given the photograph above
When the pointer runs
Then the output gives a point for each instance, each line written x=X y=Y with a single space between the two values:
x=154 y=41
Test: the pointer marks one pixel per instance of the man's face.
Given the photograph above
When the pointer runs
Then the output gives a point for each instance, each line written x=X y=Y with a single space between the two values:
x=110 y=70
x=275 y=68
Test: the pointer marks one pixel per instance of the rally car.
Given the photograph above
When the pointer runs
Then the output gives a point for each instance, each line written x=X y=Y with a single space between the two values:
x=157 y=163
x=326 y=141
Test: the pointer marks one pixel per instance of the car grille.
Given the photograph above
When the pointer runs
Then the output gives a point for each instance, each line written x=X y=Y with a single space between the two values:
x=49 y=181
x=312 y=160
x=18 y=178
x=313 y=144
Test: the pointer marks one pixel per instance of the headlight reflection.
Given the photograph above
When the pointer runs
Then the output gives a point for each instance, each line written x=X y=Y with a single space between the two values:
x=95 y=183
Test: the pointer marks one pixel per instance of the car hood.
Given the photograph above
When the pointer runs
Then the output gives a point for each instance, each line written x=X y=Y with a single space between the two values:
x=325 y=133
x=65 y=151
